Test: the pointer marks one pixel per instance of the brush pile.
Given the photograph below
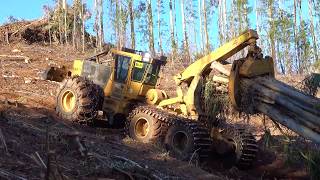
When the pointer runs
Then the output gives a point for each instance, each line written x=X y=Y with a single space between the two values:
x=28 y=31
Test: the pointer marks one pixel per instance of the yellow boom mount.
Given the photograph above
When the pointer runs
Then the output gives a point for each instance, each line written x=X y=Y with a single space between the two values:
x=191 y=77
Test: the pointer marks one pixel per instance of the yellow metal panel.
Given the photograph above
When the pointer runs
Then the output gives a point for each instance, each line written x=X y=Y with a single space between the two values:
x=123 y=53
x=108 y=88
x=134 y=89
x=138 y=65
x=77 y=67
x=255 y=67
x=220 y=54
x=145 y=88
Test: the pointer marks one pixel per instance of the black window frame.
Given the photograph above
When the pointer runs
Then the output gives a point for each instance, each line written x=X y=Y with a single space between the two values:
x=116 y=78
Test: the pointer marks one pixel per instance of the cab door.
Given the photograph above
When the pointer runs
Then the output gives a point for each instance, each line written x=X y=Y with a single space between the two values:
x=122 y=66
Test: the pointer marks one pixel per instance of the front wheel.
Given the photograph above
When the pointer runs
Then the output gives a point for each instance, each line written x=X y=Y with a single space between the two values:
x=78 y=100
x=143 y=125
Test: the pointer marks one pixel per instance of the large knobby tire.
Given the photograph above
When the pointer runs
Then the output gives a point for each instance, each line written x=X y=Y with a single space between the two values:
x=78 y=100
x=143 y=125
x=245 y=148
x=186 y=139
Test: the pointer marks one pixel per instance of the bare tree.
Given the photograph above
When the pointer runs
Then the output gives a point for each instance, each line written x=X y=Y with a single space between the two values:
x=314 y=38
x=159 y=27
x=172 y=23
x=200 y=24
x=184 y=30
x=132 y=18
x=295 y=32
x=204 y=8
x=65 y=10
x=98 y=5
x=150 y=27
x=83 y=19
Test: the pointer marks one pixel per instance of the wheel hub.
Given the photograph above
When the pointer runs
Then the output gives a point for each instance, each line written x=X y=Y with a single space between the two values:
x=180 y=140
x=68 y=101
x=142 y=127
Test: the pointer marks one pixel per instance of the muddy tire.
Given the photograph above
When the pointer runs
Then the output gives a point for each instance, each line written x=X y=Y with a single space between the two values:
x=245 y=148
x=187 y=140
x=78 y=100
x=143 y=125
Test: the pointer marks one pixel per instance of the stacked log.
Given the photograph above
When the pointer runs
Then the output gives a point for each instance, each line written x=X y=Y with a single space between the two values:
x=282 y=103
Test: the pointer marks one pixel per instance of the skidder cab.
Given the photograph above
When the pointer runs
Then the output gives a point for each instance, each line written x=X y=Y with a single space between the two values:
x=111 y=82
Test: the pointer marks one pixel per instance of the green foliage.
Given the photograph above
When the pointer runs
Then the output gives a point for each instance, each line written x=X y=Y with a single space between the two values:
x=317 y=65
x=292 y=153
x=312 y=161
x=215 y=101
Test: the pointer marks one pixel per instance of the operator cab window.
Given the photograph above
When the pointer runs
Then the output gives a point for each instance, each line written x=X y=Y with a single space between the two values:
x=122 y=64
x=152 y=74
x=138 y=71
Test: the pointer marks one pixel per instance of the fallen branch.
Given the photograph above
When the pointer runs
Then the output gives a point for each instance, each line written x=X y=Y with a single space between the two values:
x=124 y=172
x=7 y=175
x=193 y=155
x=16 y=57
x=40 y=159
x=3 y=141
x=126 y=160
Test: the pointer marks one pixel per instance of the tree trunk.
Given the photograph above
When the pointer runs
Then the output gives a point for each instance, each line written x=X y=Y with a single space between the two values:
x=296 y=54
x=272 y=29
x=59 y=20
x=200 y=25
x=204 y=8
x=150 y=27
x=65 y=10
x=314 y=38
x=301 y=60
x=74 y=23
x=101 y=31
x=83 y=26
x=159 y=27
x=184 y=31
x=173 y=40
x=220 y=22
x=131 y=12
x=98 y=5
x=224 y=12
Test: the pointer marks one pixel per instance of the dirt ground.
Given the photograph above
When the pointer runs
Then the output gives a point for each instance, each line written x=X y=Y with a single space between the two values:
x=31 y=134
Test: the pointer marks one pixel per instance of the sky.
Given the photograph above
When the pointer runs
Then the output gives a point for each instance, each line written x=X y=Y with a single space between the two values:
x=32 y=9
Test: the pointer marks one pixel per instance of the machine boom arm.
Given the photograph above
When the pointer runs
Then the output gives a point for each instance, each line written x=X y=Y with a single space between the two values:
x=220 y=54
x=191 y=76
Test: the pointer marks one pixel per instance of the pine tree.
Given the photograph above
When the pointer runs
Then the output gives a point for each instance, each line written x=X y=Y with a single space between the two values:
x=172 y=29
x=65 y=10
x=200 y=25
x=314 y=38
x=184 y=31
x=150 y=27
x=204 y=8
x=132 y=18
x=159 y=26
x=99 y=23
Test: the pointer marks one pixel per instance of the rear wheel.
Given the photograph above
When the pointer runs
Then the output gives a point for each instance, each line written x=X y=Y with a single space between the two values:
x=186 y=140
x=143 y=125
x=244 y=151
x=78 y=100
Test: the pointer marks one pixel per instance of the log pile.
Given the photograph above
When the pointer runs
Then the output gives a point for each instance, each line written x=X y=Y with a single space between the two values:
x=282 y=103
